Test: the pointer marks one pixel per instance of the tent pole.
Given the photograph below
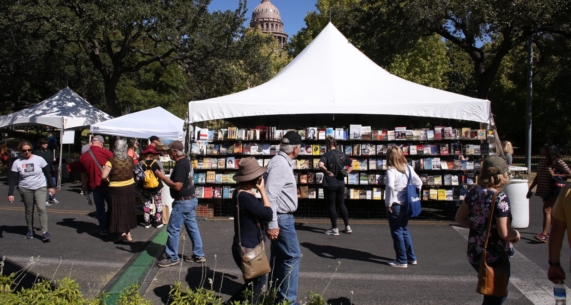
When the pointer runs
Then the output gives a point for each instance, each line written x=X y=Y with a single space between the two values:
x=60 y=153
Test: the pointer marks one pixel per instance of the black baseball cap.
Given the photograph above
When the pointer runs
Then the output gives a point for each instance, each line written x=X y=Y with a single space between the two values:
x=153 y=138
x=293 y=137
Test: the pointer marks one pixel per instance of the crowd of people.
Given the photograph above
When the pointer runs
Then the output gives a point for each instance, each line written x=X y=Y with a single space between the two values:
x=114 y=177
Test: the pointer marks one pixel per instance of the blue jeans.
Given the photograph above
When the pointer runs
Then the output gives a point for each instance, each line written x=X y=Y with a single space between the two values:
x=53 y=178
x=286 y=257
x=492 y=300
x=402 y=242
x=99 y=198
x=183 y=212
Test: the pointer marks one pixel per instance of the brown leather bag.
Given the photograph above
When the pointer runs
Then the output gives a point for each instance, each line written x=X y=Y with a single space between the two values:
x=255 y=261
x=493 y=280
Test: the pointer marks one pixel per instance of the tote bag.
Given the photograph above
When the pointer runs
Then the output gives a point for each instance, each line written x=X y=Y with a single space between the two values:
x=412 y=197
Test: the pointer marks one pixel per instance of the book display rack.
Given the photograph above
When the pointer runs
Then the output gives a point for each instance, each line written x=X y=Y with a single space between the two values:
x=447 y=159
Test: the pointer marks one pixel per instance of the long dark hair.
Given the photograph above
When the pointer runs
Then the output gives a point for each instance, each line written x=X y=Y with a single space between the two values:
x=330 y=142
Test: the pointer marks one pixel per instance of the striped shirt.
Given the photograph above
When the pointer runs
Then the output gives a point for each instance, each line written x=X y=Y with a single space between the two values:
x=544 y=181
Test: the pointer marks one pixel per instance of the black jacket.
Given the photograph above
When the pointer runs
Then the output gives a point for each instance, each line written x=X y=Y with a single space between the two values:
x=48 y=156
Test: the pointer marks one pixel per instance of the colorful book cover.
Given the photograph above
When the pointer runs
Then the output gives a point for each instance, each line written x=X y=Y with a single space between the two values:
x=321 y=134
x=412 y=150
x=363 y=178
x=365 y=149
x=315 y=149
x=465 y=133
x=310 y=178
x=348 y=149
x=449 y=195
x=481 y=134
x=448 y=179
x=339 y=134
x=377 y=193
x=356 y=150
x=435 y=163
x=390 y=135
x=430 y=135
x=312 y=193
x=437 y=180
x=366 y=133
x=438 y=132
x=320 y=194
x=311 y=133
x=372 y=179
x=433 y=194
x=322 y=149
x=380 y=149
x=354 y=178
x=409 y=135
x=319 y=178
x=428 y=164
x=444 y=149
x=442 y=194
x=329 y=132
x=231 y=162
x=372 y=164
x=301 y=133
x=363 y=164
x=425 y=195
x=447 y=133
x=454 y=180
x=199 y=192
x=384 y=136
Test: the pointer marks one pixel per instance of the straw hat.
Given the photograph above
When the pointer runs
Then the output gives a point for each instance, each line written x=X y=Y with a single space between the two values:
x=249 y=169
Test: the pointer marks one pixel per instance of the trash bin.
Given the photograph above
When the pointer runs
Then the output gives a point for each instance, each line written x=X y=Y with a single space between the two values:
x=516 y=190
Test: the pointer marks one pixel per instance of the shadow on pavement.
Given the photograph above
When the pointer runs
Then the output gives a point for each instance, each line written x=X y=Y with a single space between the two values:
x=339 y=301
x=333 y=252
x=25 y=275
x=19 y=230
x=197 y=277
x=302 y=227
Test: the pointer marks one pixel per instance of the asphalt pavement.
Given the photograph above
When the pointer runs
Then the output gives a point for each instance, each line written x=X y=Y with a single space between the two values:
x=345 y=269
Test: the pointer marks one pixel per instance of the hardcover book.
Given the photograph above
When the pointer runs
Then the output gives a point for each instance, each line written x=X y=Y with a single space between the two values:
x=363 y=164
x=425 y=195
x=481 y=134
x=444 y=149
x=353 y=178
x=217 y=192
x=390 y=135
x=430 y=135
x=321 y=134
x=377 y=193
x=372 y=164
x=366 y=133
x=436 y=163
x=447 y=133
x=199 y=192
x=473 y=134
x=373 y=179
x=319 y=178
x=448 y=179
x=363 y=178
x=322 y=149
x=301 y=133
x=304 y=164
x=311 y=133
x=442 y=194
x=339 y=134
x=454 y=180
x=310 y=178
x=449 y=195
x=304 y=191
x=355 y=132
x=365 y=149
x=409 y=135
x=226 y=192
x=428 y=164
x=380 y=149
x=312 y=193
x=412 y=150
x=231 y=163
x=315 y=148
x=438 y=132
x=329 y=132
x=356 y=150
x=348 y=149
x=433 y=194
x=320 y=193
x=465 y=133
x=437 y=180
x=303 y=178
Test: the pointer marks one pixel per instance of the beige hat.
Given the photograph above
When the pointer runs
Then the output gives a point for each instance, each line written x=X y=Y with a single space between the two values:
x=249 y=169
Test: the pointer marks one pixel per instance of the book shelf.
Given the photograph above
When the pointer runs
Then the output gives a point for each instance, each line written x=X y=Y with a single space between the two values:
x=434 y=153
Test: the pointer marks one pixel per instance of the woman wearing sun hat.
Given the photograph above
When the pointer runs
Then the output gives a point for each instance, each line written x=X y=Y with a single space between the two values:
x=251 y=212
x=474 y=213
x=152 y=196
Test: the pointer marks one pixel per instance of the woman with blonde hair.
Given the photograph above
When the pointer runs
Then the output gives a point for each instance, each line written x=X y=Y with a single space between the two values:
x=396 y=180
x=508 y=151
x=119 y=169
x=474 y=213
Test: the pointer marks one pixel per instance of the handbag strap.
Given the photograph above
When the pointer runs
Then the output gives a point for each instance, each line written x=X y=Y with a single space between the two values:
x=490 y=220
x=238 y=218
x=95 y=159
x=409 y=176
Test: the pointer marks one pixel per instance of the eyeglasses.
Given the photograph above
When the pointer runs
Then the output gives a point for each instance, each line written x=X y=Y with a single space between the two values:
x=26 y=150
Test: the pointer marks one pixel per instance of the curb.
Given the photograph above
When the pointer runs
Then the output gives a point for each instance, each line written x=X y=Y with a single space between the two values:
x=136 y=270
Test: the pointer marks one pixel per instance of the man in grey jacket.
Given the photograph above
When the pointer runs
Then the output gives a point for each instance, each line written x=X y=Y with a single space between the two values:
x=281 y=189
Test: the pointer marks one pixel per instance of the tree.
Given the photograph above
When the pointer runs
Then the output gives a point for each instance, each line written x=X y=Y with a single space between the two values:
x=121 y=37
x=485 y=30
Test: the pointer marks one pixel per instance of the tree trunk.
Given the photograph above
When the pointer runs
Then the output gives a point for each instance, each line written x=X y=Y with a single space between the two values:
x=111 y=97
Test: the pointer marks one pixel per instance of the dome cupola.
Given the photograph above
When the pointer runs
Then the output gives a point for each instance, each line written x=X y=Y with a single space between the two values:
x=267 y=17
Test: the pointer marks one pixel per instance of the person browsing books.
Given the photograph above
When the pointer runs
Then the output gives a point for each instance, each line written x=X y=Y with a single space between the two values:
x=332 y=163
x=281 y=188
x=474 y=213
x=396 y=181
x=251 y=212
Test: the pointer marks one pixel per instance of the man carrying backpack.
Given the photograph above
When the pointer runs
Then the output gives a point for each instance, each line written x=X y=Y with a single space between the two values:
x=151 y=187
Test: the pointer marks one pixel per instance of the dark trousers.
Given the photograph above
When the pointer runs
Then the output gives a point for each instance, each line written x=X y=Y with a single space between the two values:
x=334 y=196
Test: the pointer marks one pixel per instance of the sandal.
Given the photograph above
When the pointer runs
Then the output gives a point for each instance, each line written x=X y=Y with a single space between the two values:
x=541 y=237
x=124 y=237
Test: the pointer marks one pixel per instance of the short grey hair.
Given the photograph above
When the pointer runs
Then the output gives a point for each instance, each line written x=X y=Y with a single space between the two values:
x=120 y=150
x=286 y=147
x=179 y=153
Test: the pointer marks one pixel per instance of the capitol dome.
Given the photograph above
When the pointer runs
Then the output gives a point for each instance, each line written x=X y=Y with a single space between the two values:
x=267 y=17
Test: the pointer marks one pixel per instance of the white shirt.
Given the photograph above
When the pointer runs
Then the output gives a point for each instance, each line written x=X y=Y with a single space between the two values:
x=30 y=171
x=395 y=181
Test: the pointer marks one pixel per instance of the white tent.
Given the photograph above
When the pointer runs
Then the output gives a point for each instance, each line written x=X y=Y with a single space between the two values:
x=332 y=76
x=143 y=124
x=64 y=110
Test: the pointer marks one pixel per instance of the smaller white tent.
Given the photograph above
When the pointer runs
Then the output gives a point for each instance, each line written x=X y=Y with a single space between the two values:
x=64 y=110
x=332 y=76
x=143 y=124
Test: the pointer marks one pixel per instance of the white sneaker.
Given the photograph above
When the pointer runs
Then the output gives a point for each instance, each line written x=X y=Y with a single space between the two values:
x=412 y=262
x=332 y=231
x=48 y=204
x=396 y=264
x=348 y=230
x=54 y=201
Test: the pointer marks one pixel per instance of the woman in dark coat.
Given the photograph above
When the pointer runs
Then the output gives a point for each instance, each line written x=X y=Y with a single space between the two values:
x=251 y=212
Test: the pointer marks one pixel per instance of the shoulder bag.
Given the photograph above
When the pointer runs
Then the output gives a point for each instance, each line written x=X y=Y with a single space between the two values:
x=414 y=207
x=341 y=173
x=492 y=280
x=255 y=261
x=103 y=181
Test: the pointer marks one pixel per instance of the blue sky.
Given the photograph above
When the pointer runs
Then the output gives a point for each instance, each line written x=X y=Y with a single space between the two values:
x=292 y=11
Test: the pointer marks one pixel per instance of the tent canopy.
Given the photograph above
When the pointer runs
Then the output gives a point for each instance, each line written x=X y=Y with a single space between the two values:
x=64 y=110
x=143 y=124
x=332 y=76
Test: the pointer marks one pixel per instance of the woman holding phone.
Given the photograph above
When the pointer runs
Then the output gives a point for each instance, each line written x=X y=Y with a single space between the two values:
x=250 y=217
